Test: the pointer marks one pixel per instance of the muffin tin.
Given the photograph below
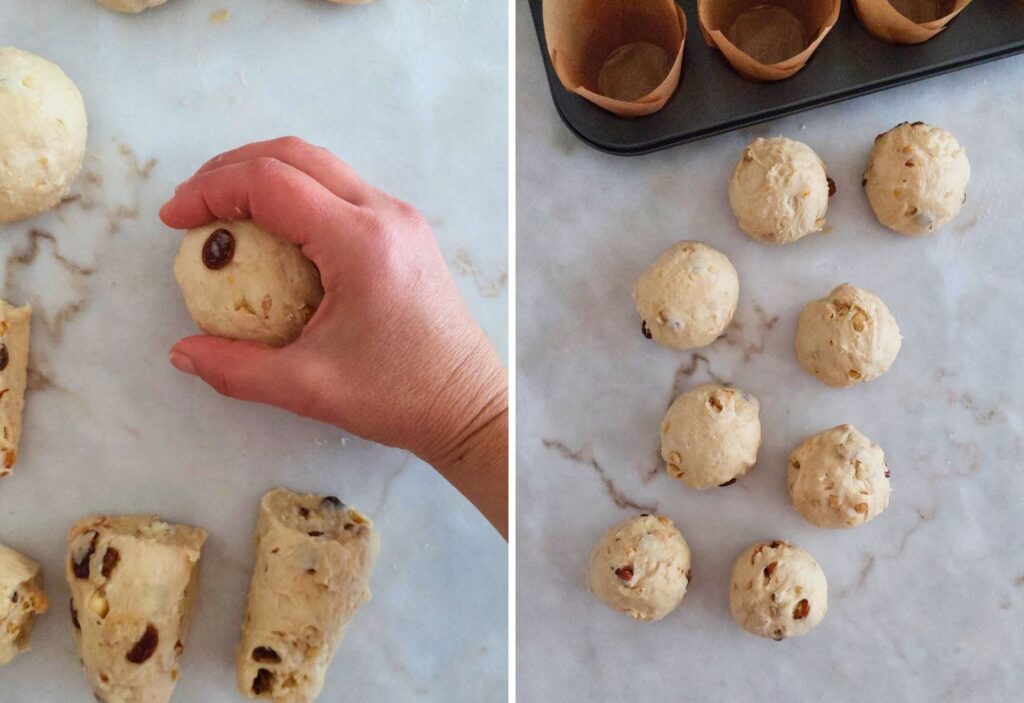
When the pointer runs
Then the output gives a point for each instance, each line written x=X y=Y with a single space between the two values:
x=712 y=98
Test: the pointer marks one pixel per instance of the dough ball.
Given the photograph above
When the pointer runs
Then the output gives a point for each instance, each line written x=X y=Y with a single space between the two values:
x=42 y=134
x=710 y=436
x=242 y=282
x=779 y=191
x=688 y=296
x=916 y=180
x=130 y=5
x=847 y=337
x=640 y=567
x=777 y=591
x=838 y=478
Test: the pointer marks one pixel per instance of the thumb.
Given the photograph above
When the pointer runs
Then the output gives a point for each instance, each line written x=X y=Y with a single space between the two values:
x=242 y=370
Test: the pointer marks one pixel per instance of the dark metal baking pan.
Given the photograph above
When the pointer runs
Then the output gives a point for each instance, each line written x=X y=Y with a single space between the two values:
x=712 y=98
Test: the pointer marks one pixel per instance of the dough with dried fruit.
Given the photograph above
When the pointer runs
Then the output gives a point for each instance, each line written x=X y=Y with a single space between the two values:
x=839 y=478
x=847 y=337
x=688 y=296
x=640 y=567
x=779 y=191
x=240 y=281
x=710 y=435
x=14 y=336
x=21 y=600
x=777 y=590
x=314 y=557
x=43 y=130
x=133 y=583
x=132 y=6
x=916 y=180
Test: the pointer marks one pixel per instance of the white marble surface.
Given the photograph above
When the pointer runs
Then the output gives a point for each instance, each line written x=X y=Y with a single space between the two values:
x=927 y=601
x=413 y=94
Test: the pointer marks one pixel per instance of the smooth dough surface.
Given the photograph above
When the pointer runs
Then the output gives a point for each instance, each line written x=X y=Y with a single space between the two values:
x=266 y=293
x=43 y=130
x=130 y=5
x=838 y=478
x=847 y=337
x=688 y=296
x=916 y=180
x=21 y=600
x=314 y=558
x=779 y=191
x=640 y=567
x=710 y=435
x=777 y=590
x=14 y=336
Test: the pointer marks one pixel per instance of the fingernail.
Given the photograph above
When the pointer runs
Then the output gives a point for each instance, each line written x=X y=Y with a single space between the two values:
x=183 y=363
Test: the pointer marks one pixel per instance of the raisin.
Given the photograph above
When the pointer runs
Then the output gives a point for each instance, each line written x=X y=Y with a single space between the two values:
x=218 y=250
x=624 y=572
x=727 y=483
x=888 y=473
x=266 y=655
x=646 y=332
x=5 y=358
x=111 y=557
x=645 y=514
x=315 y=533
x=769 y=570
x=775 y=544
x=778 y=636
x=303 y=512
x=74 y=616
x=801 y=609
x=333 y=501
x=864 y=182
x=831 y=186
x=80 y=566
x=263 y=682
x=14 y=597
x=144 y=648
x=916 y=124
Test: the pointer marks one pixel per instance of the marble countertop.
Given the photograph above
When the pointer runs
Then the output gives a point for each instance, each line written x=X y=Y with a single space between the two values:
x=927 y=601
x=110 y=426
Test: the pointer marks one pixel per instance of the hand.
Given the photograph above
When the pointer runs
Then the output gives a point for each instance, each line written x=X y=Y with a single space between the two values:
x=392 y=354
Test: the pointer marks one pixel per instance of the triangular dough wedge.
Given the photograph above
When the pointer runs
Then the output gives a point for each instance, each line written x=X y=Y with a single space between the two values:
x=314 y=557
x=14 y=328
x=133 y=585
x=21 y=599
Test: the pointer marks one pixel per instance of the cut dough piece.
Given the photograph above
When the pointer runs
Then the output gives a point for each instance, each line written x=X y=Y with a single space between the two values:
x=640 y=567
x=130 y=5
x=839 y=478
x=688 y=296
x=847 y=337
x=14 y=334
x=133 y=585
x=43 y=134
x=916 y=180
x=242 y=282
x=710 y=436
x=21 y=599
x=777 y=591
x=314 y=557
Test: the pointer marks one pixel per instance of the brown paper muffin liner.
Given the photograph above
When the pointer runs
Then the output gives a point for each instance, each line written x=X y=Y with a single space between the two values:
x=907 y=21
x=766 y=40
x=622 y=55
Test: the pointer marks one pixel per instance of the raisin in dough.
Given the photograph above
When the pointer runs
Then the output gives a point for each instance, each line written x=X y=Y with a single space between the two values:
x=847 y=337
x=710 y=436
x=130 y=5
x=14 y=330
x=640 y=567
x=133 y=586
x=838 y=478
x=42 y=134
x=777 y=591
x=688 y=296
x=779 y=191
x=314 y=557
x=916 y=180
x=21 y=599
x=242 y=282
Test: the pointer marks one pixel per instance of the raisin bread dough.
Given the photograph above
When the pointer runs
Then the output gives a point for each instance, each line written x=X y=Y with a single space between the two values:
x=130 y=5
x=916 y=180
x=847 y=337
x=640 y=567
x=133 y=586
x=688 y=296
x=777 y=591
x=710 y=436
x=314 y=557
x=21 y=599
x=242 y=282
x=779 y=191
x=839 y=478
x=43 y=130
x=14 y=333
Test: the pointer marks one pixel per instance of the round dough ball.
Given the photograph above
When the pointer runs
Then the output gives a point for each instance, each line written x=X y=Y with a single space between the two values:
x=641 y=567
x=688 y=296
x=242 y=282
x=839 y=478
x=43 y=130
x=847 y=337
x=779 y=191
x=710 y=436
x=130 y=5
x=777 y=591
x=917 y=177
